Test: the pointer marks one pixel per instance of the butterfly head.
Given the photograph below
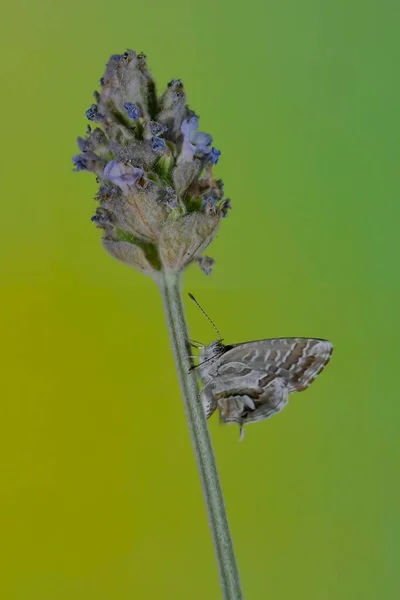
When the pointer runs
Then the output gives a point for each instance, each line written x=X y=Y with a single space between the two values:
x=209 y=355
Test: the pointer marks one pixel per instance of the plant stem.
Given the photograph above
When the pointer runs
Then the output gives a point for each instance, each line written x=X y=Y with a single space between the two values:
x=228 y=571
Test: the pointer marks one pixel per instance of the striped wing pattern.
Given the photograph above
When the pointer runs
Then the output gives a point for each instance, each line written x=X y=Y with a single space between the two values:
x=297 y=360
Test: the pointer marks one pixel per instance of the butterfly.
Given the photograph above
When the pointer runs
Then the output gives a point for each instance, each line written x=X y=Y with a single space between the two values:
x=251 y=381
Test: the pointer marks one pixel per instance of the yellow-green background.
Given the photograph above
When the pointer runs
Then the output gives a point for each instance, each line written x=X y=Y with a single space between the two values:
x=99 y=496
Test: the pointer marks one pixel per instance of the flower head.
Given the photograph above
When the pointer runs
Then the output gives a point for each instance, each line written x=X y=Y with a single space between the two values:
x=159 y=204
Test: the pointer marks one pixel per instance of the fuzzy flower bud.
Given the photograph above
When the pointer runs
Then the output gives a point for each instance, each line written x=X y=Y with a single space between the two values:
x=159 y=203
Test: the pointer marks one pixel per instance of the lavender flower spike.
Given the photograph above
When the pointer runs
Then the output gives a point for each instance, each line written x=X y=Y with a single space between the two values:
x=142 y=145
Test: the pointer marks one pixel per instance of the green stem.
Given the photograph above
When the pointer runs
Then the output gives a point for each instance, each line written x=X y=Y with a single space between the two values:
x=228 y=571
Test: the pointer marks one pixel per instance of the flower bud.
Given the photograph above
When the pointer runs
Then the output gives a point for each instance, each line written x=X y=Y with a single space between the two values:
x=173 y=109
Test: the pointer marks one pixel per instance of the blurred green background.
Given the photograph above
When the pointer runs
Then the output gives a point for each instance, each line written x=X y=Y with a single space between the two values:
x=99 y=495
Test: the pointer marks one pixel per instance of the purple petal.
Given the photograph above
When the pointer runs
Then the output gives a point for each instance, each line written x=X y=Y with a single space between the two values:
x=189 y=126
x=201 y=139
x=92 y=114
x=214 y=155
x=193 y=141
x=79 y=162
x=158 y=143
x=157 y=129
x=188 y=151
x=123 y=175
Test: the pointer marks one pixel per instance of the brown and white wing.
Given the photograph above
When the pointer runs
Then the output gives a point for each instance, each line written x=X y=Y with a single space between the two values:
x=297 y=360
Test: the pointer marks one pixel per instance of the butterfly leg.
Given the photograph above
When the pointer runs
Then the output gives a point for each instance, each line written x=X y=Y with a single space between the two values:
x=232 y=408
x=208 y=400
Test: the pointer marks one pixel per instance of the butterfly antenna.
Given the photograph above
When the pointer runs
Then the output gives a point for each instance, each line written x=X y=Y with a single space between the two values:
x=206 y=315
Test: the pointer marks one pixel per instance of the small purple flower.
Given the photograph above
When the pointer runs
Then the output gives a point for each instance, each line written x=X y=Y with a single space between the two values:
x=102 y=217
x=92 y=113
x=124 y=175
x=214 y=155
x=157 y=143
x=132 y=111
x=79 y=162
x=194 y=141
x=209 y=204
x=105 y=192
x=88 y=161
x=157 y=129
x=97 y=219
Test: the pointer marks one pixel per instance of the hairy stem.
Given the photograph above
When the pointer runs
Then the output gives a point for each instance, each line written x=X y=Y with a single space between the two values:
x=229 y=576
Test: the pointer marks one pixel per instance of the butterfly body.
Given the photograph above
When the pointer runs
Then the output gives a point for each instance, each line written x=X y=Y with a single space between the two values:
x=251 y=381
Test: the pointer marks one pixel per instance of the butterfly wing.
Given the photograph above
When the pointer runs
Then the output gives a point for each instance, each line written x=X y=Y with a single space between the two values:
x=297 y=360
